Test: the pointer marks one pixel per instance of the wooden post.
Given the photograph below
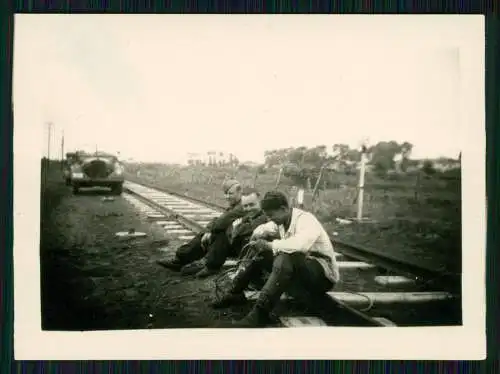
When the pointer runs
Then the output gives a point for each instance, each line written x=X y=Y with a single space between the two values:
x=279 y=177
x=300 y=198
x=308 y=184
x=254 y=183
x=47 y=166
x=417 y=186
x=316 y=186
x=49 y=140
x=361 y=184
x=62 y=150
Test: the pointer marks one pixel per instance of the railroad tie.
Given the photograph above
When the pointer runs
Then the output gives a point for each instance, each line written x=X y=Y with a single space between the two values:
x=130 y=234
x=163 y=223
x=176 y=205
x=393 y=280
x=342 y=264
x=289 y=321
x=171 y=224
x=356 y=298
x=155 y=216
x=178 y=231
x=302 y=321
x=386 y=322
x=354 y=265
x=201 y=217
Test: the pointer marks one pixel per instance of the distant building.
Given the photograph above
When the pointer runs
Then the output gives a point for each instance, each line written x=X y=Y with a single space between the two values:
x=212 y=158
x=197 y=159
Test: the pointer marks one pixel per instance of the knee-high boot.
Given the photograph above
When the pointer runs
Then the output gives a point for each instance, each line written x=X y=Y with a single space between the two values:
x=276 y=285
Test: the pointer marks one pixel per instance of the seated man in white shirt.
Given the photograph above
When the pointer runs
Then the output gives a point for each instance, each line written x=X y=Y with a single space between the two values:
x=303 y=258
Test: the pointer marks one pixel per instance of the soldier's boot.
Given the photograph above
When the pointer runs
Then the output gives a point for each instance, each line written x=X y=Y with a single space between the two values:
x=278 y=281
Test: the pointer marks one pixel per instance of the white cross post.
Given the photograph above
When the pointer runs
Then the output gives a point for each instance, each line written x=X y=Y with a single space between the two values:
x=300 y=198
x=361 y=184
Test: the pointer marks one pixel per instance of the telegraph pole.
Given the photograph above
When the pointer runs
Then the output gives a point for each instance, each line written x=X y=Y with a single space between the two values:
x=48 y=140
x=47 y=163
x=62 y=150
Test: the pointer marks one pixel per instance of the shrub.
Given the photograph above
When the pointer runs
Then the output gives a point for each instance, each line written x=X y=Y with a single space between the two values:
x=428 y=168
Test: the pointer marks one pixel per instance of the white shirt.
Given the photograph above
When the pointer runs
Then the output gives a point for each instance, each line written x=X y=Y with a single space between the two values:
x=305 y=234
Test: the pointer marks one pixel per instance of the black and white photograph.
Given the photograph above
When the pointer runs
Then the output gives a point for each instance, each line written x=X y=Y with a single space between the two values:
x=249 y=187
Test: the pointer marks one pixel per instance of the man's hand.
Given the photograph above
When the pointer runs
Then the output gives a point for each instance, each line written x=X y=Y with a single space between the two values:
x=266 y=230
x=262 y=245
x=205 y=239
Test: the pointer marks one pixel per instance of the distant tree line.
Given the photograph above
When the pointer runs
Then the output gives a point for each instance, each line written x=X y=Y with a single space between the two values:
x=386 y=157
x=303 y=165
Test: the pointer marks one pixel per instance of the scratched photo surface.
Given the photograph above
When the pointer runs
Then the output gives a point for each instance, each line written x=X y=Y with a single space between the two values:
x=184 y=183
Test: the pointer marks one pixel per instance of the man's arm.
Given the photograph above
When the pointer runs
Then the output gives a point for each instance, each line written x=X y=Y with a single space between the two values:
x=307 y=232
x=209 y=225
x=222 y=222
x=247 y=228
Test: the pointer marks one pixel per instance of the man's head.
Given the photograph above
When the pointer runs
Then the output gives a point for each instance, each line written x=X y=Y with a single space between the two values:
x=275 y=206
x=250 y=200
x=232 y=191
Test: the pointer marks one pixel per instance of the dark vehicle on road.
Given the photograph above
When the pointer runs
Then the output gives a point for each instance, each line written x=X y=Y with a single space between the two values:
x=97 y=169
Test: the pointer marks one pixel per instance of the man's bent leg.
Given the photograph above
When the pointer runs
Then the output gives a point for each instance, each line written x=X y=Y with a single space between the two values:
x=310 y=283
x=218 y=252
x=185 y=254
x=311 y=274
x=214 y=257
x=278 y=282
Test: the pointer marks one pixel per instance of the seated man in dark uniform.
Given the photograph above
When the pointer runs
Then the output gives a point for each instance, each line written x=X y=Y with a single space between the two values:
x=302 y=259
x=241 y=230
x=214 y=236
x=238 y=234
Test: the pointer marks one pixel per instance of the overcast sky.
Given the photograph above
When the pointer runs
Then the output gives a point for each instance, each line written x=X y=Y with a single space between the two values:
x=155 y=87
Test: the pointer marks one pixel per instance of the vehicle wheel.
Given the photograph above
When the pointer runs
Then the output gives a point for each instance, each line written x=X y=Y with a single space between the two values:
x=117 y=189
x=76 y=190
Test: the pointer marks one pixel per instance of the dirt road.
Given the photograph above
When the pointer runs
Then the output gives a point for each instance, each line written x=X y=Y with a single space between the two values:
x=91 y=280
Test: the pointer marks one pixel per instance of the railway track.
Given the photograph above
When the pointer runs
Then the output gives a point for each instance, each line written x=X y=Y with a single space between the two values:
x=372 y=282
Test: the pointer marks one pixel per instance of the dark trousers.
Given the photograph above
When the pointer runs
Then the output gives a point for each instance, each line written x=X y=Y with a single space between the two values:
x=216 y=253
x=294 y=273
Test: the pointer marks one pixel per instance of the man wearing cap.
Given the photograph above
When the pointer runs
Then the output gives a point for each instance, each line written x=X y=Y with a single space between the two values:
x=302 y=260
x=188 y=255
